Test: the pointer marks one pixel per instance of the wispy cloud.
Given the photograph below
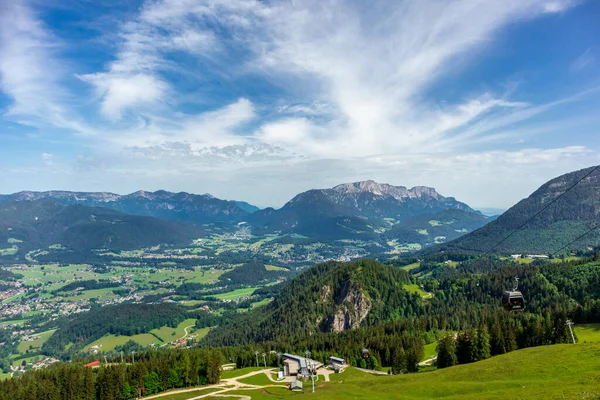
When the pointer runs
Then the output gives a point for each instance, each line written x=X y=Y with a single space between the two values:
x=583 y=61
x=255 y=87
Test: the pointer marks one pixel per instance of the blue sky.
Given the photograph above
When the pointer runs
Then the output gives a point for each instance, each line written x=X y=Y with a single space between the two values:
x=259 y=100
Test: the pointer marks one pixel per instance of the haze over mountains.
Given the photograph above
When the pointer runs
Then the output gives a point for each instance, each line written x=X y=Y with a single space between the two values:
x=368 y=211
x=30 y=225
x=198 y=208
x=362 y=210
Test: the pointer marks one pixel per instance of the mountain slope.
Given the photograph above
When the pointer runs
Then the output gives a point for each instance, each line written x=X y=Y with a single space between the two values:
x=353 y=210
x=562 y=371
x=329 y=297
x=435 y=228
x=38 y=224
x=160 y=204
x=569 y=217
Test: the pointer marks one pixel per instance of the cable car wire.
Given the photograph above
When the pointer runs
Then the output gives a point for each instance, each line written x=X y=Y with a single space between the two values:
x=575 y=240
x=541 y=211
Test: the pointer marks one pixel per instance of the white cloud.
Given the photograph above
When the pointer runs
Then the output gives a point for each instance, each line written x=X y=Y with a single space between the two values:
x=350 y=94
x=583 y=61
x=121 y=92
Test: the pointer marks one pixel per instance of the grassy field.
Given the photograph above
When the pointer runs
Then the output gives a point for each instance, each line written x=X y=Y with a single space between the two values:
x=205 y=276
x=233 y=295
x=35 y=344
x=109 y=342
x=261 y=303
x=260 y=379
x=429 y=351
x=413 y=288
x=274 y=268
x=411 y=266
x=589 y=333
x=546 y=372
x=201 y=333
x=13 y=322
x=187 y=395
x=168 y=334
x=239 y=372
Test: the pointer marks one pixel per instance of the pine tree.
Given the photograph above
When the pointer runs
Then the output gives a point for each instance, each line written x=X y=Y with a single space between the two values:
x=446 y=349
x=483 y=343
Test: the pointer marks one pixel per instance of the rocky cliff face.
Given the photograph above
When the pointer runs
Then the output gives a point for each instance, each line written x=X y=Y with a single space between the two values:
x=372 y=199
x=351 y=307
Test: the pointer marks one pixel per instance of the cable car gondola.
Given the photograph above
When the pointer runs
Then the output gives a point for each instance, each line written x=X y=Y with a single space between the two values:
x=512 y=300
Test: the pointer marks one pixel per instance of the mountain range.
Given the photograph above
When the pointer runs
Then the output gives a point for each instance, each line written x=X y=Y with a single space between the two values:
x=196 y=208
x=31 y=225
x=361 y=210
x=354 y=210
x=390 y=216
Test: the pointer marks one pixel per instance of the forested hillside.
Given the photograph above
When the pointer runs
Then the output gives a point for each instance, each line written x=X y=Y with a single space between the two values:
x=329 y=297
x=123 y=319
x=302 y=314
x=570 y=216
x=252 y=274
x=38 y=224
x=152 y=372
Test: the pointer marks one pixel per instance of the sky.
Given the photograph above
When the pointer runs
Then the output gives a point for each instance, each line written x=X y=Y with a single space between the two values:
x=252 y=100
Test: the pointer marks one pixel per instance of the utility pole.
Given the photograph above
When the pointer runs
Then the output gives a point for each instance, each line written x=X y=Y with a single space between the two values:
x=121 y=357
x=312 y=369
x=569 y=323
x=133 y=357
x=256 y=354
x=265 y=359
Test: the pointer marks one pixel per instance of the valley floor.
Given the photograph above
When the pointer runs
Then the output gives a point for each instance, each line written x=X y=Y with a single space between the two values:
x=546 y=372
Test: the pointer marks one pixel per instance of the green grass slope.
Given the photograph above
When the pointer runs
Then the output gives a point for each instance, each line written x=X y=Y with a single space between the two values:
x=546 y=372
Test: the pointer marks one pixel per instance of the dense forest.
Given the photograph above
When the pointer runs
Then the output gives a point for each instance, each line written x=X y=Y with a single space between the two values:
x=122 y=319
x=460 y=301
x=152 y=372
x=308 y=303
x=252 y=274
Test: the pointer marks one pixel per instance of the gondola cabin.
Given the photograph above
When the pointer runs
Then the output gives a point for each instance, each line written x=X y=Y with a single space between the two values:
x=513 y=301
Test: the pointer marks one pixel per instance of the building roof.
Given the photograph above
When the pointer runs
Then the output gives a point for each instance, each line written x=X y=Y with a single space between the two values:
x=296 y=385
x=93 y=364
x=340 y=360
x=298 y=359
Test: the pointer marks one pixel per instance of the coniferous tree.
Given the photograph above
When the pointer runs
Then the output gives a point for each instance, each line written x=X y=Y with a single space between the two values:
x=483 y=343
x=446 y=349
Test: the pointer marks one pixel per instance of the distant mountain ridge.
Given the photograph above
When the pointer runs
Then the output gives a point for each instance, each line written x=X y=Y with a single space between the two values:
x=367 y=210
x=197 y=208
x=354 y=209
x=572 y=214
x=30 y=225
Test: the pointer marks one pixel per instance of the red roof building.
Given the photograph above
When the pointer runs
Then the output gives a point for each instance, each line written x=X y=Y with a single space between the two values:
x=93 y=364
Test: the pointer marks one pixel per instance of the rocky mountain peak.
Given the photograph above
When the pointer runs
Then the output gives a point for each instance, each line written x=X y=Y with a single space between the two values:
x=384 y=189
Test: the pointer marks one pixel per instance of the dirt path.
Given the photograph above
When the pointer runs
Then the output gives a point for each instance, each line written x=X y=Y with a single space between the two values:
x=428 y=361
x=233 y=384
x=226 y=385
x=186 y=331
x=372 y=371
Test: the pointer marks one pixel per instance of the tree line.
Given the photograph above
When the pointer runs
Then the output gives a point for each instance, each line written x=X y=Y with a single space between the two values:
x=152 y=372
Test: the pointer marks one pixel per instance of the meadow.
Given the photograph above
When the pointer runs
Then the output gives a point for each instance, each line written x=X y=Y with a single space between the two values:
x=587 y=333
x=414 y=288
x=168 y=334
x=35 y=344
x=235 y=294
x=109 y=342
x=545 y=372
